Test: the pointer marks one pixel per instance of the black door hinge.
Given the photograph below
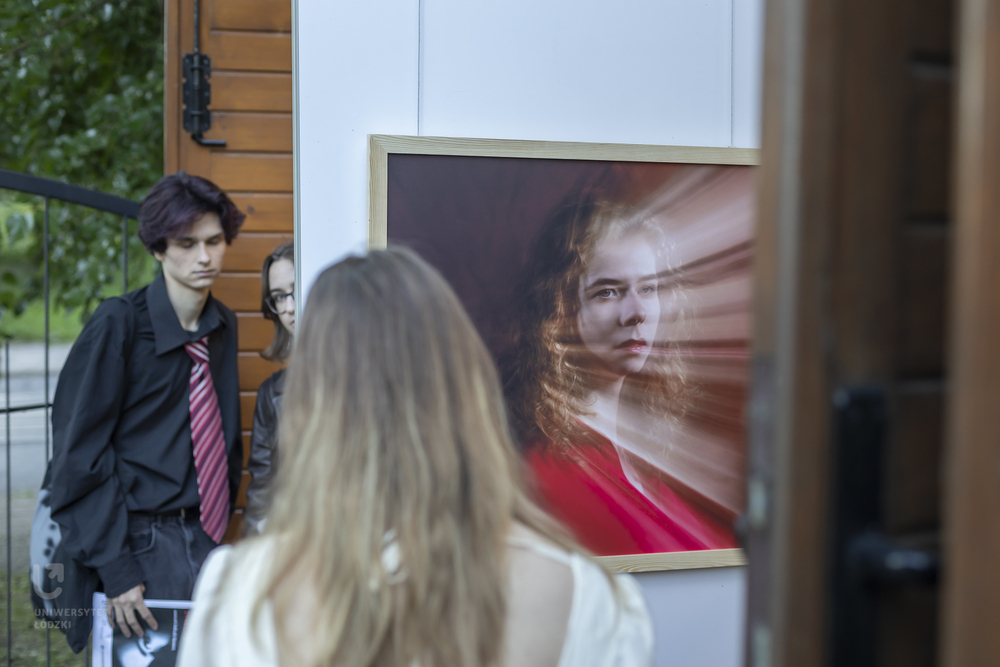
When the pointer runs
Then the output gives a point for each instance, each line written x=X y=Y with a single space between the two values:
x=197 y=97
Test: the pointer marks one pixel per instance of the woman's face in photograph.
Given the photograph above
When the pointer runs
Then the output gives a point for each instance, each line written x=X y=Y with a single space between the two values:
x=619 y=305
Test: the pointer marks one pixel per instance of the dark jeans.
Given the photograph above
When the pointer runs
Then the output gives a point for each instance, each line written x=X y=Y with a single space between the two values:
x=170 y=550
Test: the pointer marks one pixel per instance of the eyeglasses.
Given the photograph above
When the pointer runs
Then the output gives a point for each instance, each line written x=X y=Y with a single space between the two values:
x=276 y=303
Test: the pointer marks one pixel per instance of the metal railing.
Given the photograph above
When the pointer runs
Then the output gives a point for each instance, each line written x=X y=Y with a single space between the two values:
x=72 y=194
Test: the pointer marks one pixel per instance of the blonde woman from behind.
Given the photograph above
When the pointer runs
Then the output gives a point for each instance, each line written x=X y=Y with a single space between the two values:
x=400 y=532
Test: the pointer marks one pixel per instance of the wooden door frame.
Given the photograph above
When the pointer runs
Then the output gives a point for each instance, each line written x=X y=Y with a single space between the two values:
x=971 y=608
x=788 y=484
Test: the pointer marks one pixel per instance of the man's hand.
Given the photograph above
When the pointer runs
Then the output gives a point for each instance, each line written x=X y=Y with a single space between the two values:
x=124 y=607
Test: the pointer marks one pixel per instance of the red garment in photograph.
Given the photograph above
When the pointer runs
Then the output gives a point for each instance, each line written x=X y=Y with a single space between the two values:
x=587 y=490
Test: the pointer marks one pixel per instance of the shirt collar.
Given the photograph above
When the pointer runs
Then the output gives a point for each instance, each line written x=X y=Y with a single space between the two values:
x=167 y=330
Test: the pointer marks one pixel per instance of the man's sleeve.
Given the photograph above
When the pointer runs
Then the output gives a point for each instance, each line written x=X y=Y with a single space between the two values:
x=87 y=501
x=236 y=446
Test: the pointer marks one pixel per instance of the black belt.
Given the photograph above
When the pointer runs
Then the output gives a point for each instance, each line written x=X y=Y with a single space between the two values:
x=184 y=513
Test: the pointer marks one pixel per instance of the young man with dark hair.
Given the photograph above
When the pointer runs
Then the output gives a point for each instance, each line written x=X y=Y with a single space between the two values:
x=146 y=417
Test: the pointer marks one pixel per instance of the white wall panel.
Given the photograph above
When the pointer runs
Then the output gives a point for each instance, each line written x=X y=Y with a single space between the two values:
x=699 y=616
x=631 y=71
x=357 y=75
x=748 y=45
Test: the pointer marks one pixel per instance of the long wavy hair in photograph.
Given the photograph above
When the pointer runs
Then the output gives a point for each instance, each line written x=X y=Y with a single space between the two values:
x=395 y=439
x=546 y=370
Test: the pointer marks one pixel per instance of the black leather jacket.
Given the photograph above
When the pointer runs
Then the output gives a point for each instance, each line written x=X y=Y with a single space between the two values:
x=263 y=459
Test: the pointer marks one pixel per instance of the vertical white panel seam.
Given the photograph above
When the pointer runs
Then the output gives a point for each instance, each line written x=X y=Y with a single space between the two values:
x=297 y=167
x=732 y=71
x=420 y=63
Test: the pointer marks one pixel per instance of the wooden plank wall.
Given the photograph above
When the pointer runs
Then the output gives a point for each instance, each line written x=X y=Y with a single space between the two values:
x=250 y=44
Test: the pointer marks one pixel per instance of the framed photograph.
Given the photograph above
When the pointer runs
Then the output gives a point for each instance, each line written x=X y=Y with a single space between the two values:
x=612 y=285
x=155 y=648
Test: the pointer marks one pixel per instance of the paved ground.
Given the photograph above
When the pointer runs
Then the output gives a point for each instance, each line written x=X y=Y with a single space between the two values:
x=26 y=448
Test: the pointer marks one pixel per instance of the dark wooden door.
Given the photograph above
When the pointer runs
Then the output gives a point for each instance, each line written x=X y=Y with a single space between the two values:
x=852 y=281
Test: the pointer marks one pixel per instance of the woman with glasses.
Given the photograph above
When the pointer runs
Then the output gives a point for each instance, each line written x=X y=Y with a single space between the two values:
x=278 y=305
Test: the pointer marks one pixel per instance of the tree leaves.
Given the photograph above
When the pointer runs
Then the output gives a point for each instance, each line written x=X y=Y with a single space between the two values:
x=81 y=101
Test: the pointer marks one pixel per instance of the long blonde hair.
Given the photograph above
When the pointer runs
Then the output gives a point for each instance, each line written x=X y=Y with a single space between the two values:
x=394 y=433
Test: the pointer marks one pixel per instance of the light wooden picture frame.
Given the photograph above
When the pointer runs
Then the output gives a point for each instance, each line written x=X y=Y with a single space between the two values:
x=705 y=210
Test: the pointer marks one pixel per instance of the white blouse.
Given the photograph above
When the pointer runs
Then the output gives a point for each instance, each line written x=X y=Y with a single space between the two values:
x=604 y=629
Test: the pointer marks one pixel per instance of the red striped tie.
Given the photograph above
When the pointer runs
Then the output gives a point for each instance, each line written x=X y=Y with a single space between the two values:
x=209 y=444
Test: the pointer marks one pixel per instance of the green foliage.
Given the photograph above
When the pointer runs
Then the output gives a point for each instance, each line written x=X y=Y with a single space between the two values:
x=28 y=633
x=16 y=250
x=81 y=101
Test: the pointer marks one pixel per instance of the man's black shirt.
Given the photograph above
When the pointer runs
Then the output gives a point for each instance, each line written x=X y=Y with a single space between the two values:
x=122 y=429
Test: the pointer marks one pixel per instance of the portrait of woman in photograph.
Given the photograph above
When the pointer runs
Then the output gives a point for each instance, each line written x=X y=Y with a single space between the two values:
x=615 y=298
x=592 y=315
